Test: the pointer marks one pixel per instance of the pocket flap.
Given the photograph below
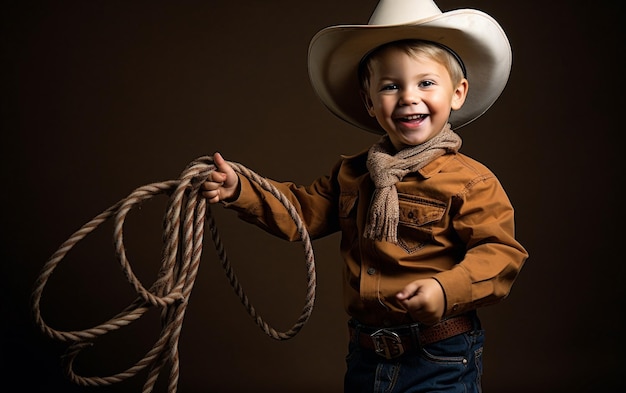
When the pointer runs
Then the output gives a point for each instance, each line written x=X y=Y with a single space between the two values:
x=418 y=211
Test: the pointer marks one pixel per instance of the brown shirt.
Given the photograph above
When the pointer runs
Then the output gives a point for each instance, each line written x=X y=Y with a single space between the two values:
x=456 y=225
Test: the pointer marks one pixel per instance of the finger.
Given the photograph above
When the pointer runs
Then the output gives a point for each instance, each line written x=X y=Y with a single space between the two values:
x=223 y=168
x=211 y=196
x=217 y=178
x=413 y=305
x=407 y=292
x=219 y=161
x=213 y=181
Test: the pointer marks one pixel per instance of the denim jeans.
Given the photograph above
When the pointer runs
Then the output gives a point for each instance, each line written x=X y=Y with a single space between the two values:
x=452 y=365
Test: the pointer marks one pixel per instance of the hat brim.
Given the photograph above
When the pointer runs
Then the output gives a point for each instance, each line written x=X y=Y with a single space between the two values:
x=335 y=54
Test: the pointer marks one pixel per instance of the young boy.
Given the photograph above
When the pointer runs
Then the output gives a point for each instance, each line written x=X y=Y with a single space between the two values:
x=427 y=232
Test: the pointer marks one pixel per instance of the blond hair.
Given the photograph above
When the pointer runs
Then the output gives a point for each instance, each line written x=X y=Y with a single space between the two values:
x=415 y=48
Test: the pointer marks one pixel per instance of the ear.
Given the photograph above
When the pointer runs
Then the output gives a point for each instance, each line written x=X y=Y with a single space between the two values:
x=459 y=95
x=367 y=101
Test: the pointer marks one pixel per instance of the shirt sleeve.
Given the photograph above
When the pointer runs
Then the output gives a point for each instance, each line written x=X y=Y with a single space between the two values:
x=493 y=258
x=316 y=204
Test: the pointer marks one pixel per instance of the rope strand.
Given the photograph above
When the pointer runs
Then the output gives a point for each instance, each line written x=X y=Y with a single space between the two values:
x=181 y=254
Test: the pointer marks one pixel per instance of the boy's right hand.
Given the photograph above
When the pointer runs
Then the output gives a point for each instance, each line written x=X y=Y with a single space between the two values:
x=222 y=183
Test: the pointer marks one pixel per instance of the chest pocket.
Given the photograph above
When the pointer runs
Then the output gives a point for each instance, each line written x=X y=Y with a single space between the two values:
x=347 y=201
x=347 y=212
x=417 y=217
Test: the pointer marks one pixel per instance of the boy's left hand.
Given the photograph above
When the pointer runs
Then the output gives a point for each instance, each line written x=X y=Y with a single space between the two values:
x=424 y=300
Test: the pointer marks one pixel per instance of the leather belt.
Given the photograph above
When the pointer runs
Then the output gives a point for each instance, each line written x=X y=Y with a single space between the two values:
x=393 y=342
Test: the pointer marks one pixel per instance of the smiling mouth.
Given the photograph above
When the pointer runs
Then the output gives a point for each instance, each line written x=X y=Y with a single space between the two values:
x=413 y=117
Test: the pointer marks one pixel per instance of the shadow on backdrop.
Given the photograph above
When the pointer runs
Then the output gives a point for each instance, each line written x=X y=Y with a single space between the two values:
x=99 y=98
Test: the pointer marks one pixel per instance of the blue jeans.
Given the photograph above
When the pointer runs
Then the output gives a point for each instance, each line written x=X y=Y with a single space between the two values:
x=452 y=365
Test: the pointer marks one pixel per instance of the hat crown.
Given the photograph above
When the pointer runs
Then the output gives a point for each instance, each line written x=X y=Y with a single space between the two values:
x=397 y=12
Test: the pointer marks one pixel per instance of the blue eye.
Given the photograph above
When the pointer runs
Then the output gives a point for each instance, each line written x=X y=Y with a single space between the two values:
x=426 y=83
x=390 y=87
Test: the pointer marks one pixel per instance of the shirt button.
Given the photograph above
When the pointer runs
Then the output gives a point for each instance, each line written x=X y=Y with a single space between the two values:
x=455 y=307
x=371 y=271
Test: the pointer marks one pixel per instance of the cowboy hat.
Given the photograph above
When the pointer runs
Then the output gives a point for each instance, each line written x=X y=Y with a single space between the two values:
x=335 y=53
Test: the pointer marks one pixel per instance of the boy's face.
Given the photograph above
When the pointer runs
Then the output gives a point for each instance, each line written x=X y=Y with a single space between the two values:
x=411 y=97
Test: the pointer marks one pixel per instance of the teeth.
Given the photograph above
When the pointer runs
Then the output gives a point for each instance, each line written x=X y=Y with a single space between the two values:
x=414 y=117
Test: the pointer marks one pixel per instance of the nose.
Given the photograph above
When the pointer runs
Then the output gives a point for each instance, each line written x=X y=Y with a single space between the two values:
x=409 y=97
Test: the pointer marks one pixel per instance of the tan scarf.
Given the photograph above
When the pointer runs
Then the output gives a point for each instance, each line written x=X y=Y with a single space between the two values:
x=387 y=167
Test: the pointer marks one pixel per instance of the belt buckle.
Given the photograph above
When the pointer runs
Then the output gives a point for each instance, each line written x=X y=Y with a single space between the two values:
x=387 y=344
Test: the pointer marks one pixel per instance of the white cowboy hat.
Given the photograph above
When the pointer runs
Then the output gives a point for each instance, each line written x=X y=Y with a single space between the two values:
x=335 y=53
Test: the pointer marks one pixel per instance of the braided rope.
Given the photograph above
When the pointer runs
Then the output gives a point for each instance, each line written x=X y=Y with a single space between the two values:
x=185 y=215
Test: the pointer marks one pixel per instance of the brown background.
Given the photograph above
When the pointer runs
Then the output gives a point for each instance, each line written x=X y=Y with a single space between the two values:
x=100 y=97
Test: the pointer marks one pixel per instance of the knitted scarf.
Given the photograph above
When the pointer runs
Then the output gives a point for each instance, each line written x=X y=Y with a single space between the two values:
x=387 y=167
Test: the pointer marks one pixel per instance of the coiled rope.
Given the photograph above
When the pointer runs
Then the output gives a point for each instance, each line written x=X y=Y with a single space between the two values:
x=182 y=249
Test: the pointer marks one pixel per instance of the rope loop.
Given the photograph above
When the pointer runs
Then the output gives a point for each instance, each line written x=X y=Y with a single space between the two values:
x=183 y=234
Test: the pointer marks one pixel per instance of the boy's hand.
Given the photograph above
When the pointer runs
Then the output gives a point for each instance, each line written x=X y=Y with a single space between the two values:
x=424 y=300
x=222 y=183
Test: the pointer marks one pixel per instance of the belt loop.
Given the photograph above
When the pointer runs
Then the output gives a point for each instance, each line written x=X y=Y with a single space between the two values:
x=473 y=315
x=415 y=334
